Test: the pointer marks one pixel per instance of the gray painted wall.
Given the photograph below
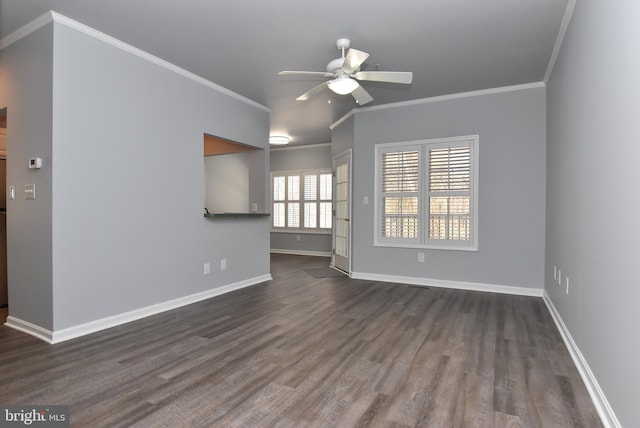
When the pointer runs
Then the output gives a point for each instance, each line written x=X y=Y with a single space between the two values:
x=342 y=136
x=302 y=157
x=301 y=243
x=294 y=159
x=592 y=204
x=27 y=67
x=121 y=226
x=511 y=126
x=137 y=236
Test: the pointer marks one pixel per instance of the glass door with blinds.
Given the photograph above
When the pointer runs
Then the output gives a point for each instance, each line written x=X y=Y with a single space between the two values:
x=342 y=207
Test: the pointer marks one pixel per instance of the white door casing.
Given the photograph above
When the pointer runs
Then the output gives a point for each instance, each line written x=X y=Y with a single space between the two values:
x=342 y=213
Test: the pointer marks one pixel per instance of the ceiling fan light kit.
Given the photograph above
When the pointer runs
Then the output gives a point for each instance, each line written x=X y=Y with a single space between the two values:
x=343 y=85
x=278 y=140
x=345 y=73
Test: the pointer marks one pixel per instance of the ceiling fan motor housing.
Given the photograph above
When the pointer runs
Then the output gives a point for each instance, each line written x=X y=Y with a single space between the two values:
x=335 y=66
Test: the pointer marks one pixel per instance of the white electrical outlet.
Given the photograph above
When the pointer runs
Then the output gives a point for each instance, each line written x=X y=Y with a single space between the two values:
x=298 y=238
x=420 y=257
x=254 y=207
x=365 y=200
x=207 y=268
x=223 y=264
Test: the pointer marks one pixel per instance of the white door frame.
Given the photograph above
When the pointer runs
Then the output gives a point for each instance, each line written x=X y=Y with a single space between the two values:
x=336 y=159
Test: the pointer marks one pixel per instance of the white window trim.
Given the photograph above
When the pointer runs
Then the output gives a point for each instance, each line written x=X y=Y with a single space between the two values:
x=301 y=230
x=423 y=242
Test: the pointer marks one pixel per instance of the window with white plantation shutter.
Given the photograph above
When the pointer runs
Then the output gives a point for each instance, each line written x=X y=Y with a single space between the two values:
x=426 y=194
x=302 y=201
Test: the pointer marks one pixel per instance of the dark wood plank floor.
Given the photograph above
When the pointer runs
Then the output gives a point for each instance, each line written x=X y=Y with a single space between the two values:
x=302 y=351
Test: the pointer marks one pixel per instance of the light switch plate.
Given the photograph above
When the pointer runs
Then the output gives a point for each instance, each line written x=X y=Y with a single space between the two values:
x=29 y=191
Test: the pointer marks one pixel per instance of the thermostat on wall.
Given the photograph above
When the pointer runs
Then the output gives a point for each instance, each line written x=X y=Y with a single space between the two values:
x=35 y=163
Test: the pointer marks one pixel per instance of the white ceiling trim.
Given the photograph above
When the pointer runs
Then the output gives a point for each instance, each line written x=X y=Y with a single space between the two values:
x=151 y=58
x=568 y=13
x=306 y=146
x=440 y=98
x=342 y=119
x=91 y=32
x=459 y=95
x=25 y=30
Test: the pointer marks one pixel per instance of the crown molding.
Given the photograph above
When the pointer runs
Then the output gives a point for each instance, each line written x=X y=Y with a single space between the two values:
x=304 y=146
x=27 y=29
x=568 y=13
x=341 y=120
x=459 y=95
x=490 y=91
x=52 y=16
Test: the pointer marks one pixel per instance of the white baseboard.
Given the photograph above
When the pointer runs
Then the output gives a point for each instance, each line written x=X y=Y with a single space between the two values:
x=115 y=320
x=32 y=329
x=459 y=285
x=600 y=401
x=301 y=252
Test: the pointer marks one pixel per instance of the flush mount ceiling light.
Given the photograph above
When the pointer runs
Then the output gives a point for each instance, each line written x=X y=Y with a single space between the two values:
x=343 y=84
x=278 y=140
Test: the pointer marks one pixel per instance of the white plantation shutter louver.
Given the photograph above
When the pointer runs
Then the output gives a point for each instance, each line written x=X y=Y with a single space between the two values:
x=293 y=194
x=399 y=201
x=310 y=194
x=326 y=201
x=278 y=195
x=449 y=193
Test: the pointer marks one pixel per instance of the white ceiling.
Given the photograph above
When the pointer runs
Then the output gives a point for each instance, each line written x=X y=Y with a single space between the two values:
x=451 y=46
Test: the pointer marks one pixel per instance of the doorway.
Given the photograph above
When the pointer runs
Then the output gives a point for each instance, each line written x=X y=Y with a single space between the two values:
x=4 y=296
x=342 y=225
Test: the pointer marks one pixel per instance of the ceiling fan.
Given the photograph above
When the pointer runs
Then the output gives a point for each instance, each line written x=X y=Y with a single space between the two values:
x=345 y=74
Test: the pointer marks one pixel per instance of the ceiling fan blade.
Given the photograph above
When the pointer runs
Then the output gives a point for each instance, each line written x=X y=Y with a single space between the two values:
x=312 y=91
x=306 y=73
x=385 y=76
x=362 y=97
x=354 y=60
